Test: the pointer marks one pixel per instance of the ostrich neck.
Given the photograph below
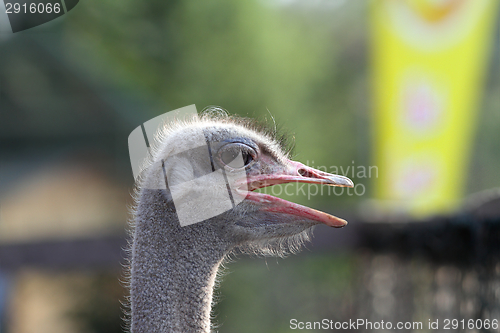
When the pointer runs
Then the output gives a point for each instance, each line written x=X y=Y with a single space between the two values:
x=173 y=273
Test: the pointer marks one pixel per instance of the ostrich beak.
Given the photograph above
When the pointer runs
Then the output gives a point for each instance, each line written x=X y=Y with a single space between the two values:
x=300 y=173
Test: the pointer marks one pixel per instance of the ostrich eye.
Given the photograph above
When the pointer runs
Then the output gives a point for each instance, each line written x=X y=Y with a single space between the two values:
x=236 y=155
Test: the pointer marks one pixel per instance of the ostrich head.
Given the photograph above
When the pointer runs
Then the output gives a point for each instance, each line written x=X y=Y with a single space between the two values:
x=173 y=266
x=251 y=158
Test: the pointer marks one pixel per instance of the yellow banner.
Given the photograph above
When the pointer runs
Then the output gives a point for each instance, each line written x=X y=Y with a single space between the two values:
x=428 y=60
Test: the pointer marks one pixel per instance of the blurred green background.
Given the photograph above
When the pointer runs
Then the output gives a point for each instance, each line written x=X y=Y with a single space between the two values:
x=73 y=89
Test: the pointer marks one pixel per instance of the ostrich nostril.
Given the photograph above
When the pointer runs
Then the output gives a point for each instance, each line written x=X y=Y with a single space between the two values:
x=303 y=172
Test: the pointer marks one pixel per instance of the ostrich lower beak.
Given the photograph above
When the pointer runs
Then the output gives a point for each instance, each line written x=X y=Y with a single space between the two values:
x=300 y=173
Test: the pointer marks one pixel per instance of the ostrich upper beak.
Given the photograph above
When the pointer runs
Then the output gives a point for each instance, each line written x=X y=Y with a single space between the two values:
x=300 y=173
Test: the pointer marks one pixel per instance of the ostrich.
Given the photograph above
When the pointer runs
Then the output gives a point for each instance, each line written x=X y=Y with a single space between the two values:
x=173 y=268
